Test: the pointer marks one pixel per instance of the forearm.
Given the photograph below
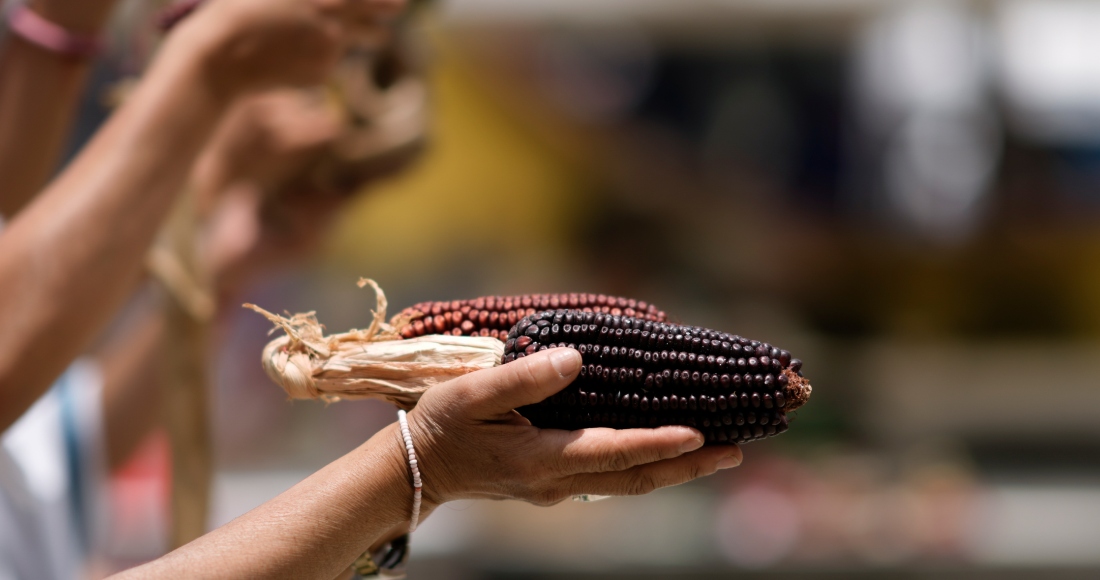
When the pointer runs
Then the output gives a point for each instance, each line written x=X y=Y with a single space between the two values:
x=39 y=91
x=69 y=260
x=38 y=94
x=133 y=388
x=314 y=530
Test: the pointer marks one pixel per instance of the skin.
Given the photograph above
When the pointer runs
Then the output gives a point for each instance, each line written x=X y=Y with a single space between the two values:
x=263 y=213
x=132 y=389
x=39 y=91
x=38 y=95
x=116 y=193
x=255 y=223
x=260 y=145
x=470 y=443
x=112 y=198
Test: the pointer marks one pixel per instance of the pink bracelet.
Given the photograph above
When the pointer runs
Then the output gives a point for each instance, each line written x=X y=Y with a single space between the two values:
x=31 y=27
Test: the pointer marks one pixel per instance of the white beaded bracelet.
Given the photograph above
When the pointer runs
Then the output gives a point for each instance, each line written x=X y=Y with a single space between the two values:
x=417 y=485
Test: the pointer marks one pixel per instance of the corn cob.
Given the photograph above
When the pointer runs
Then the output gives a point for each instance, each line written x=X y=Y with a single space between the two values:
x=645 y=373
x=495 y=315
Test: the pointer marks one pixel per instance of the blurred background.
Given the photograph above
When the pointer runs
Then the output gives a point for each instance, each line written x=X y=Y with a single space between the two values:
x=905 y=194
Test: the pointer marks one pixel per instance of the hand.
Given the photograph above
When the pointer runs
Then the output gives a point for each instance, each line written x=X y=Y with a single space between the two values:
x=250 y=45
x=470 y=443
x=250 y=236
x=268 y=140
x=251 y=182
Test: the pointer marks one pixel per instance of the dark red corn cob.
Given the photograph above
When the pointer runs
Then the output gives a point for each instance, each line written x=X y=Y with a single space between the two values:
x=495 y=315
x=644 y=373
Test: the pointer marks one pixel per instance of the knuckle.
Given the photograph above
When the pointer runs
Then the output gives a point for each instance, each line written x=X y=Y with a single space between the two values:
x=547 y=497
x=642 y=483
x=615 y=460
x=530 y=371
x=695 y=472
x=539 y=471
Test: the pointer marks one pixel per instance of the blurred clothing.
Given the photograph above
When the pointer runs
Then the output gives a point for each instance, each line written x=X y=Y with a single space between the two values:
x=52 y=479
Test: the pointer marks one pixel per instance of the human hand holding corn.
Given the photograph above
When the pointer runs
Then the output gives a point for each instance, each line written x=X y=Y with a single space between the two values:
x=472 y=444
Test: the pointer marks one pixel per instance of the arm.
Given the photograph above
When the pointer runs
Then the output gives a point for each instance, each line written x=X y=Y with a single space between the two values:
x=132 y=388
x=68 y=260
x=38 y=95
x=250 y=231
x=470 y=444
x=314 y=530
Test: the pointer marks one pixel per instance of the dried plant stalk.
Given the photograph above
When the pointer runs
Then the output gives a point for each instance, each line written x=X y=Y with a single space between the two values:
x=373 y=363
x=173 y=262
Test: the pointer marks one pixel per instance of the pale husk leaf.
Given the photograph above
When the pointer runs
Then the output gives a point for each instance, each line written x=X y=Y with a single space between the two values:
x=374 y=363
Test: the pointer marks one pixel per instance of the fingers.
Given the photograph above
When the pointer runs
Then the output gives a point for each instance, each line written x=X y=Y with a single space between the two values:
x=599 y=450
x=495 y=391
x=232 y=229
x=646 y=478
x=296 y=122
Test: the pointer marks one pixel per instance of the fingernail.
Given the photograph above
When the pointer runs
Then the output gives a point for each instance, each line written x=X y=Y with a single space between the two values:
x=566 y=361
x=728 y=462
x=691 y=444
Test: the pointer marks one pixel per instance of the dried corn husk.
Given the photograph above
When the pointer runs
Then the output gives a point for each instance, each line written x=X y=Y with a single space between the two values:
x=368 y=364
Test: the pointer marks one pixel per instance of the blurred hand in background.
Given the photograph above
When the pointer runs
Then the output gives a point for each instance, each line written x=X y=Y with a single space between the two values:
x=98 y=217
x=250 y=45
x=253 y=182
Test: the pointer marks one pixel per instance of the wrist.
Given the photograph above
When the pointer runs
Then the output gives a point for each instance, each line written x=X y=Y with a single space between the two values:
x=433 y=474
x=204 y=44
x=184 y=63
x=378 y=495
x=429 y=498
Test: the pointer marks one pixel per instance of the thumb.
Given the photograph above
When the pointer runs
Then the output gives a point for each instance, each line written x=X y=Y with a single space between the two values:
x=499 y=390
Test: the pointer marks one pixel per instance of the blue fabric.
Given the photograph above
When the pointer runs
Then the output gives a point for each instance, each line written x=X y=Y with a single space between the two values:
x=72 y=453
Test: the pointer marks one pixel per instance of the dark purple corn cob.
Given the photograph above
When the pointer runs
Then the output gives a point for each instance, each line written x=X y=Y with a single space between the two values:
x=495 y=315
x=644 y=373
